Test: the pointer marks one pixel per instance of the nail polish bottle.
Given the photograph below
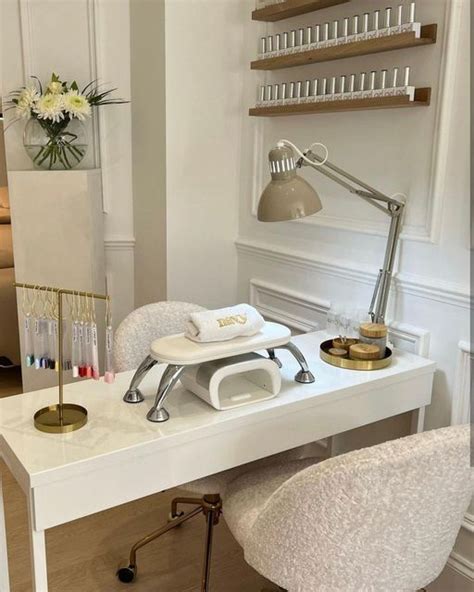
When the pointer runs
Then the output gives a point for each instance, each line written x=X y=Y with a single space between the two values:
x=359 y=93
x=261 y=96
x=325 y=36
x=314 y=91
x=385 y=30
x=283 y=96
x=277 y=45
x=397 y=28
x=355 y=28
x=262 y=50
x=309 y=38
x=306 y=98
x=342 y=88
x=276 y=95
x=412 y=26
x=345 y=32
x=360 y=35
x=291 y=95
x=300 y=40
x=407 y=89
x=380 y=91
x=284 y=44
x=369 y=93
x=324 y=90
x=335 y=34
x=270 y=52
x=268 y=95
x=351 y=90
x=316 y=37
x=374 y=30
x=365 y=27
x=292 y=44
x=299 y=91
x=392 y=89
x=332 y=89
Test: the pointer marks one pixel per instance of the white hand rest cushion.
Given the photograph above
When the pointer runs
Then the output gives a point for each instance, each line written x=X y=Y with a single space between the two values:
x=224 y=324
x=178 y=350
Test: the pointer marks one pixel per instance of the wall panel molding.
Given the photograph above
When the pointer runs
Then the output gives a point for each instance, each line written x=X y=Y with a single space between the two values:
x=296 y=310
x=435 y=193
x=438 y=290
x=462 y=386
x=26 y=40
x=462 y=565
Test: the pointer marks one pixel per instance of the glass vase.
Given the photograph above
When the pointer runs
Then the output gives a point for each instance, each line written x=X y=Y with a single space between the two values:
x=55 y=145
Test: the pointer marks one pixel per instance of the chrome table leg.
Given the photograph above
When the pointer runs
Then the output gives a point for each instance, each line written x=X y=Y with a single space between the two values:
x=273 y=358
x=304 y=375
x=170 y=376
x=134 y=395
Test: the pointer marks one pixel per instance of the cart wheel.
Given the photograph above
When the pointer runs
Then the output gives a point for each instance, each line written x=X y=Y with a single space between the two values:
x=126 y=574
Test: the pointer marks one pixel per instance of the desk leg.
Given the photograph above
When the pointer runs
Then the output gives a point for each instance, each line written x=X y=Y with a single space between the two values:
x=418 y=420
x=4 y=576
x=39 y=572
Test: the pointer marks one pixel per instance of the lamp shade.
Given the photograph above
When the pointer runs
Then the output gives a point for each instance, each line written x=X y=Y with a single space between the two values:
x=287 y=196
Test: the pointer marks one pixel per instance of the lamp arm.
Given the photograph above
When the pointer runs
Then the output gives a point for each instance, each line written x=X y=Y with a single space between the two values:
x=369 y=192
x=393 y=208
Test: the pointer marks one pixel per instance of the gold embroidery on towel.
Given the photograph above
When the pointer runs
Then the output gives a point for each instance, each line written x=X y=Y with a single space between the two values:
x=234 y=320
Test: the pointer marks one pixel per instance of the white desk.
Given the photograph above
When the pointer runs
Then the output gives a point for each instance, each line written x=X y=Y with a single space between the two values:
x=119 y=456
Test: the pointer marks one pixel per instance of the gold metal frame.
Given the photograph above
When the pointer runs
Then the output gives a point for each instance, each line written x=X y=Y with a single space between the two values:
x=210 y=505
x=62 y=417
x=349 y=364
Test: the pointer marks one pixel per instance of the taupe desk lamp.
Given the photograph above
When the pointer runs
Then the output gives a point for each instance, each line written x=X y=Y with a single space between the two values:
x=289 y=197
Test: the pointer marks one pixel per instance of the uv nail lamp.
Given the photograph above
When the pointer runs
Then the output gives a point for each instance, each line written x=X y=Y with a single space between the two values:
x=234 y=381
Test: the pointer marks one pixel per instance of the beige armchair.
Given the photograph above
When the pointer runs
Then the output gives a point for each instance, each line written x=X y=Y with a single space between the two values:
x=9 y=334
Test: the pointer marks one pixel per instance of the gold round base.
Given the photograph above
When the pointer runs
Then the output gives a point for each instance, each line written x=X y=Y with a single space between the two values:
x=56 y=420
x=349 y=364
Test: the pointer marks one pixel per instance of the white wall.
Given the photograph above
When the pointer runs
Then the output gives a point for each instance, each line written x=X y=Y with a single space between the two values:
x=294 y=271
x=81 y=39
x=147 y=25
x=204 y=113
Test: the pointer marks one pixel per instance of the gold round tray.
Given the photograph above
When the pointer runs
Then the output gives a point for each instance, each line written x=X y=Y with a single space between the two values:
x=50 y=420
x=349 y=364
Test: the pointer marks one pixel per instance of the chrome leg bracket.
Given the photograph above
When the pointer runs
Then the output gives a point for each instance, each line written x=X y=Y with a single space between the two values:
x=305 y=375
x=158 y=413
x=273 y=358
x=133 y=394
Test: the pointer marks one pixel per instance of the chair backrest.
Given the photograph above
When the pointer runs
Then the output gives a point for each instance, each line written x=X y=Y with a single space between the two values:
x=380 y=518
x=145 y=324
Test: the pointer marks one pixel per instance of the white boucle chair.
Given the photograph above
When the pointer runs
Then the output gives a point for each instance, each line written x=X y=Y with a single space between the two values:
x=131 y=345
x=380 y=519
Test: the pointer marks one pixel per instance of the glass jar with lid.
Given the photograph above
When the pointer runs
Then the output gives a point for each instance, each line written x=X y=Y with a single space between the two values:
x=374 y=334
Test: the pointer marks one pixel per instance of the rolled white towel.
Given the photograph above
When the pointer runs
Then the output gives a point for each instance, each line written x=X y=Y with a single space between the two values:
x=223 y=324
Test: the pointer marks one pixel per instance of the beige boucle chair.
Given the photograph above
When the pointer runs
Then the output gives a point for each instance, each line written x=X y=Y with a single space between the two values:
x=380 y=519
x=131 y=344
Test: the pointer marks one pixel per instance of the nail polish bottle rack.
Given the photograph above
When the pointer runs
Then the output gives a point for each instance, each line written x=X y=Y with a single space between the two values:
x=371 y=33
x=371 y=90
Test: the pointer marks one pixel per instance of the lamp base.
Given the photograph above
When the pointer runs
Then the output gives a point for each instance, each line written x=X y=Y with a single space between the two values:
x=60 y=419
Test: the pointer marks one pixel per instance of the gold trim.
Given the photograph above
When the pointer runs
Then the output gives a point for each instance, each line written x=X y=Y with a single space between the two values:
x=56 y=419
x=348 y=364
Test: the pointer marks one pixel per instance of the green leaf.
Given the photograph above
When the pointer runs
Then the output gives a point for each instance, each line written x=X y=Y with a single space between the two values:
x=74 y=85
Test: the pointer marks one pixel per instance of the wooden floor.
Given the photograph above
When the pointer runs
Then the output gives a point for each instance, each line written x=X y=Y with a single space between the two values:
x=84 y=555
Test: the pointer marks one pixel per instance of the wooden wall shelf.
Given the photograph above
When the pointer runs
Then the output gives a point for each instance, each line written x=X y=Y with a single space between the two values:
x=349 y=50
x=422 y=99
x=284 y=10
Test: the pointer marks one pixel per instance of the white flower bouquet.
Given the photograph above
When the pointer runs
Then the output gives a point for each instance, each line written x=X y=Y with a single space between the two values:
x=54 y=136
